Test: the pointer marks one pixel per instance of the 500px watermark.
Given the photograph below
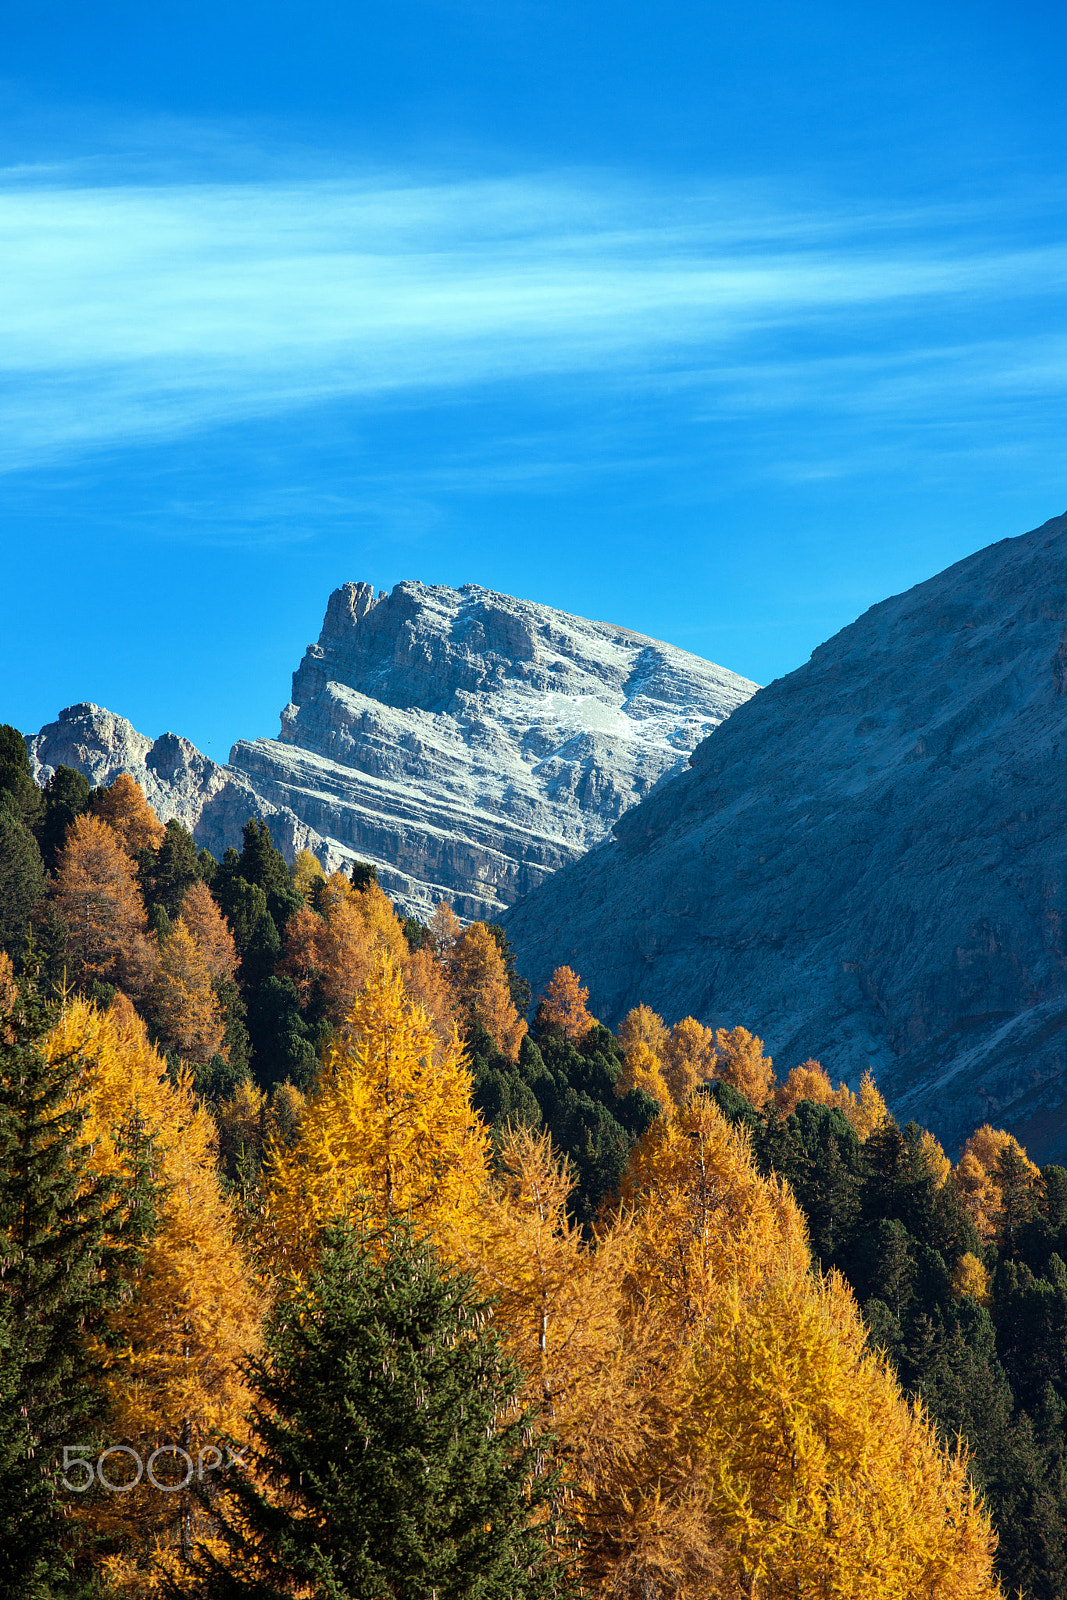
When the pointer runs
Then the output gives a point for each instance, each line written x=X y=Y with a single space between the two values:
x=177 y=1469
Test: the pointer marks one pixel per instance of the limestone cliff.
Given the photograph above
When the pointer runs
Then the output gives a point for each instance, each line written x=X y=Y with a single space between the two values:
x=867 y=862
x=212 y=801
x=466 y=742
x=470 y=743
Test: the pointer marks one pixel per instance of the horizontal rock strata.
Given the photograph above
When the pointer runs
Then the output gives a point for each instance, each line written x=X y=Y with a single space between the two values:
x=470 y=744
x=466 y=743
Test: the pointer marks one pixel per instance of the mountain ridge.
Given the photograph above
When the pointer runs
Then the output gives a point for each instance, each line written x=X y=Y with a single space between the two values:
x=863 y=864
x=465 y=742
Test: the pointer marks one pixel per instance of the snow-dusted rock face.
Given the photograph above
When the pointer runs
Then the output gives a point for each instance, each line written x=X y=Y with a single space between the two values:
x=470 y=744
x=868 y=862
x=212 y=801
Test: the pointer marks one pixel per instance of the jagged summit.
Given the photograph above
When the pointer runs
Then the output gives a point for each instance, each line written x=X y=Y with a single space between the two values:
x=867 y=862
x=470 y=743
x=466 y=742
x=212 y=801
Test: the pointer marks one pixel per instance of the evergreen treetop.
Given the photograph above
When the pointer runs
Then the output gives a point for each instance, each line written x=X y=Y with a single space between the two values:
x=388 y=1457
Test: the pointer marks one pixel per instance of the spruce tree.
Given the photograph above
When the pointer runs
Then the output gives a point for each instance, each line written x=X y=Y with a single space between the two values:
x=387 y=1456
x=66 y=796
x=16 y=776
x=261 y=864
x=69 y=1242
x=22 y=879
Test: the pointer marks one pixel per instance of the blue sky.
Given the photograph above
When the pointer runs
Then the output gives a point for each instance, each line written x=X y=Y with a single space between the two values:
x=719 y=322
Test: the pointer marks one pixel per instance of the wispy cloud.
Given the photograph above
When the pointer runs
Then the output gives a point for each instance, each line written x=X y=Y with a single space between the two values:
x=135 y=311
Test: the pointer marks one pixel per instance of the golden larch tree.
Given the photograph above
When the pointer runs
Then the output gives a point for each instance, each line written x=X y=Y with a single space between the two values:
x=210 y=930
x=387 y=1131
x=181 y=1002
x=806 y=1082
x=971 y=1280
x=428 y=984
x=743 y=1064
x=172 y=1361
x=480 y=981
x=356 y=928
x=689 y=1058
x=643 y=1025
x=341 y=946
x=934 y=1158
x=563 y=1005
x=977 y=1176
x=126 y=811
x=307 y=872
x=445 y=929
x=644 y=1040
x=303 y=952
x=642 y=1069
x=381 y=922
x=556 y=1300
x=604 y=1376
x=98 y=898
x=817 y=1475
x=870 y=1111
x=8 y=986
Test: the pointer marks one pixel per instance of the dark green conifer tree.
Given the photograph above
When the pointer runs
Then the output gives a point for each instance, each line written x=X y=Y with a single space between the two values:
x=391 y=1461
x=66 y=796
x=166 y=873
x=22 y=879
x=261 y=864
x=16 y=776
x=69 y=1244
x=363 y=874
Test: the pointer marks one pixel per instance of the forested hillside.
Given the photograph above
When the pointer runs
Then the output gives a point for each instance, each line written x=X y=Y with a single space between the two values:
x=337 y=1263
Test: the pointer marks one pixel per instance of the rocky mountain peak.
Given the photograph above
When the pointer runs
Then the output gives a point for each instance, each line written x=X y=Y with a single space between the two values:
x=179 y=782
x=469 y=743
x=466 y=742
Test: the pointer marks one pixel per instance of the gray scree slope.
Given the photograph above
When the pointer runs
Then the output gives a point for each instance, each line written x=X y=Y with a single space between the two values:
x=868 y=862
x=470 y=744
x=467 y=743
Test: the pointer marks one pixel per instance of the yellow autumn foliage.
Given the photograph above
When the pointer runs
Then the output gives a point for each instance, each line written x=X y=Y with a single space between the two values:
x=866 y=1110
x=870 y=1110
x=976 y=1176
x=479 y=978
x=172 y=1361
x=743 y=1064
x=971 y=1279
x=643 y=1039
x=387 y=1131
x=934 y=1158
x=689 y=1058
x=721 y=1427
x=642 y=1069
x=807 y=1082
x=307 y=871
x=816 y=1474
x=824 y=1479
x=642 y=1025
x=181 y=1001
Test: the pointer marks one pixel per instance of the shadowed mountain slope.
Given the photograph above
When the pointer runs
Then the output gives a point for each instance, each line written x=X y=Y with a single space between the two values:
x=868 y=862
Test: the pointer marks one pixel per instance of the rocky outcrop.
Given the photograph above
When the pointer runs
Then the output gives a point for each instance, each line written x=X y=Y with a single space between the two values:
x=868 y=862
x=212 y=801
x=467 y=743
x=470 y=744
